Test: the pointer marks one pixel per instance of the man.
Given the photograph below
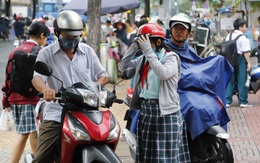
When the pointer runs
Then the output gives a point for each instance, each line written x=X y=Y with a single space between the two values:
x=23 y=105
x=203 y=81
x=107 y=31
x=239 y=76
x=71 y=62
x=19 y=28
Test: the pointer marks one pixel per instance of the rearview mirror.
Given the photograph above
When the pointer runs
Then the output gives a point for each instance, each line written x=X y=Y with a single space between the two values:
x=128 y=73
x=43 y=68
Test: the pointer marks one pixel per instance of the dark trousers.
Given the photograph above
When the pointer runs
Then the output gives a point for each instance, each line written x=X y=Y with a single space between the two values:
x=47 y=146
x=238 y=79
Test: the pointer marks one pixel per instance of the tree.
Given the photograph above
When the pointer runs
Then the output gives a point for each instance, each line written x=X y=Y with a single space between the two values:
x=94 y=25
x=7 y=7
x=34 y=9
x=147 y=8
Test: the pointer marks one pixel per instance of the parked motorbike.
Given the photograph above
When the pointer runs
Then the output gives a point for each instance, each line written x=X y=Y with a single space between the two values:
x=211 y=146
x=87 y=134
x=255 y=71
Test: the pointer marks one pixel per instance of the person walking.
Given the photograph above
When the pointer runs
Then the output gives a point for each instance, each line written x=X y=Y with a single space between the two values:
x=239 y=77
x=161 y=131
x=77 y=62
x=23 y=106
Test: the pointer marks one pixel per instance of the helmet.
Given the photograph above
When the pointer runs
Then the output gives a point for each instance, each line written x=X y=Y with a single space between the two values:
x=68 y=22
x=152 y=29
x=181 y=17
x=255 y=73
x=39 y=20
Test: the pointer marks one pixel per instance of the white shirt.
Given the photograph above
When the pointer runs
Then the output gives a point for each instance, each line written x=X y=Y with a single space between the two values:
x=84 y=67
x=243 y=43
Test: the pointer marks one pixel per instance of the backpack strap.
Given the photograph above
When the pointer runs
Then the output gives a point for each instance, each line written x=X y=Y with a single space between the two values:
x=35 y=49
x=238 y=37
x=230 y=36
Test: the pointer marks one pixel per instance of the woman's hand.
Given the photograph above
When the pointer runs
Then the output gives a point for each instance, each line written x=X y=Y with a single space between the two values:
x=144 y=43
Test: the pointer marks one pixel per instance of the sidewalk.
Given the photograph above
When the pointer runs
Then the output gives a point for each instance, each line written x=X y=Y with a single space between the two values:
x=244 y=129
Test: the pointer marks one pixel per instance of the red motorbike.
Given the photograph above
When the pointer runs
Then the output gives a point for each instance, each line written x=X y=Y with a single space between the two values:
x=87 y=134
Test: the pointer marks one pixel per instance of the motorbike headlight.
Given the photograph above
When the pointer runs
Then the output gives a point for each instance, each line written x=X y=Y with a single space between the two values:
x=77 y=130
x=102 y=98
x=89 y=97
x=114 y=133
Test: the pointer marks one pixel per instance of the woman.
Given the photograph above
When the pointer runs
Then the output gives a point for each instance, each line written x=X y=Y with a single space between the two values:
x=161 y=131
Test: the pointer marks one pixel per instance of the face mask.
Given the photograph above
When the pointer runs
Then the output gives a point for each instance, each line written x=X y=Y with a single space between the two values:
x=69 y=43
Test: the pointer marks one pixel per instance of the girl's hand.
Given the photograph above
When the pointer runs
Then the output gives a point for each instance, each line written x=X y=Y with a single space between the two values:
x=144 y=42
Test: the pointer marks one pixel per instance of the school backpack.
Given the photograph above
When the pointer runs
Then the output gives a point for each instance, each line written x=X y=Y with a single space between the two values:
x=21 y=73
x=228 y=49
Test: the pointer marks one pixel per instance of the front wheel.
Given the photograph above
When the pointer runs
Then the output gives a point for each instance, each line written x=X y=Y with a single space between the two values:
x=219 y=150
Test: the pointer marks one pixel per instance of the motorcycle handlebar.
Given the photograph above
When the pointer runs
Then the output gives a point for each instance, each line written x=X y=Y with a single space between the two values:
x=119 y=101
x=41 y=95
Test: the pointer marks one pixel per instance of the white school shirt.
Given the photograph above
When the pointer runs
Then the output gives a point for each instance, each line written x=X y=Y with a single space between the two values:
x=243 y=43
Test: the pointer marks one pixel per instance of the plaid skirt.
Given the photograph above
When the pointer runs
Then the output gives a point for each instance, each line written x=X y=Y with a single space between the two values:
x=161 y=139
x=24 y=118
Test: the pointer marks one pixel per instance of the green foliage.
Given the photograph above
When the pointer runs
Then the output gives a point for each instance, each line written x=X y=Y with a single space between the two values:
x=255 y=6
x=184 y=6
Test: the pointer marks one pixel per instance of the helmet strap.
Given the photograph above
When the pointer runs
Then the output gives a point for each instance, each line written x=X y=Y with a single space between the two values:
x=75 y=49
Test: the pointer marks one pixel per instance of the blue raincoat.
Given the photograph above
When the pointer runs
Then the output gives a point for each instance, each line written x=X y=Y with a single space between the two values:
x=202 y=88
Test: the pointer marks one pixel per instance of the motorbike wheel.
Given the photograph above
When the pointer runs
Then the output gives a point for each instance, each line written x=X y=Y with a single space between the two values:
x=219 y=150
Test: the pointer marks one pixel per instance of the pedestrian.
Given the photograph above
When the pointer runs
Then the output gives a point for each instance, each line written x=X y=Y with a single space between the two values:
x=129 y=28
x=161 y=24
x=23 y=105
x=120 y=32
x=77 y=62
x=161 y=131
x=19 y=27
x=108 y=30
x=239 y=77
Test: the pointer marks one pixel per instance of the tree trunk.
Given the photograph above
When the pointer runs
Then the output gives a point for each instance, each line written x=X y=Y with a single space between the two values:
x=7 y=8
x=34 y=9
x=132 y=16
x=94 y=25
x=147 y=8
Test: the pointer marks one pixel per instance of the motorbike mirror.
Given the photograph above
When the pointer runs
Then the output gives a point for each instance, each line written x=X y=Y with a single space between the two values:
x=128 y=73
x=43 y=68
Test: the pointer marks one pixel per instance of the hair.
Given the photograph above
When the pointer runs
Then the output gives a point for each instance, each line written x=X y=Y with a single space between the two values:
x=159 y=21
x=141 y=22
x=37 y=28
x=136 y=22
x=239 y=23
x=109 y=21
x=143 y=17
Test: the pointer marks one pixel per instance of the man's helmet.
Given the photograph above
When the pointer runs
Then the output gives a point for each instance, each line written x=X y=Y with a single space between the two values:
x=68 y=22
x=152 y=30
x=39 y=20
x=181 y=18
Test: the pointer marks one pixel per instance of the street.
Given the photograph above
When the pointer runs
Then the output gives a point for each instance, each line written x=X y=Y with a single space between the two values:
x=244 y=126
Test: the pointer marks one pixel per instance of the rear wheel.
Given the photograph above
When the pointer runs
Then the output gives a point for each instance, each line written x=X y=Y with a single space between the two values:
x=219 y=150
